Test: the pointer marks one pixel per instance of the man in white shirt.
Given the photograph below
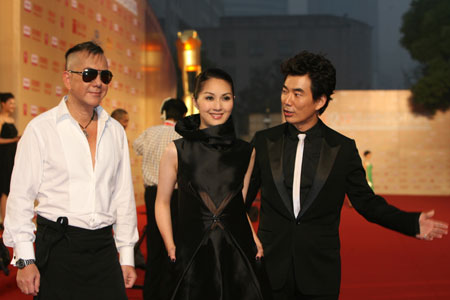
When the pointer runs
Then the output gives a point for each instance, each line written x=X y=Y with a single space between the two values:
x=151 y=145
x=74 y=161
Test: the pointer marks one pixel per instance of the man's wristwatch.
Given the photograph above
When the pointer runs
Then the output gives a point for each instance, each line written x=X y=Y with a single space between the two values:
x=22 y=263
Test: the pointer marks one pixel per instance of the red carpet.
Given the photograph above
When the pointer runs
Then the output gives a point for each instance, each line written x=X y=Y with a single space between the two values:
x=377 y=264
x=380 y=264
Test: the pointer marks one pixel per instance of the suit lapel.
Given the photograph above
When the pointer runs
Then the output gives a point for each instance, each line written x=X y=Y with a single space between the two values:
x=275 y=151
x=327 y=157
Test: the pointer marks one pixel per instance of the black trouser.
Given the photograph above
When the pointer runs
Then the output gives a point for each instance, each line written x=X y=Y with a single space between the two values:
x=77 y=263
x=290 y=291
x=156 y=251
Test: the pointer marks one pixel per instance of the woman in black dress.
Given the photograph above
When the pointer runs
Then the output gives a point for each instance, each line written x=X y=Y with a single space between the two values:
x=214 y=251
x=8 y=145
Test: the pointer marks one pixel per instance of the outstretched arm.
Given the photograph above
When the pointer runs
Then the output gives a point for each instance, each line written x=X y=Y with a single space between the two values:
x=375 y=209
x=431 y=228
x=166 y=182
x=247 y=177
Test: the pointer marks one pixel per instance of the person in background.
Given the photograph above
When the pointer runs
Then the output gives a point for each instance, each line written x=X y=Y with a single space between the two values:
x=368 y=167
x=304 y=170
x=73 y=160
x=8 y=144
x=151 y=144
x=121 y=115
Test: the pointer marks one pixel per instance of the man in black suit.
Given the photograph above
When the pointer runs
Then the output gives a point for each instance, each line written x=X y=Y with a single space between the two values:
x=305 y=169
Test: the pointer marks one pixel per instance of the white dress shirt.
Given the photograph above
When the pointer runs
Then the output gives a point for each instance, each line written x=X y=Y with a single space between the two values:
x=53 y=166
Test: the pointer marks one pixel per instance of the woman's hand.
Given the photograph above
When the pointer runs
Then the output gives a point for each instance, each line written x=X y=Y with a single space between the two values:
x=171 y=254
x=259 y=247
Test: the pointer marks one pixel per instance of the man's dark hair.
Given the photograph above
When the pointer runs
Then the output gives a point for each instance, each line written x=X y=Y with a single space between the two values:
x=5 y=97
x=175 y=109
x=208 y=74
x=118 y=113
x=90 y=47
x=320 y=71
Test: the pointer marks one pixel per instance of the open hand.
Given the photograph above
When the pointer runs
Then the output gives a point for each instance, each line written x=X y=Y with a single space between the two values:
x=430 y=228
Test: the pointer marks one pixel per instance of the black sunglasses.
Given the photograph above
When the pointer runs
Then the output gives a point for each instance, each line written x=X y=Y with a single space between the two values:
x=89 y=74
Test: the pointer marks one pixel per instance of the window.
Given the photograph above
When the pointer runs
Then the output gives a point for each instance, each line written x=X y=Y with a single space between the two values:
x=255 y=48
x=228 y=49
x=285 y=47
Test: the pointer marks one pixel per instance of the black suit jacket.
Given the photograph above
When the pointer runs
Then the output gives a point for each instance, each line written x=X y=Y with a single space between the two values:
x=311 y=241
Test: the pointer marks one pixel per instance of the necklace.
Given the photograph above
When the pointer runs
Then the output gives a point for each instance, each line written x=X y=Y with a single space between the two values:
x=84 y=128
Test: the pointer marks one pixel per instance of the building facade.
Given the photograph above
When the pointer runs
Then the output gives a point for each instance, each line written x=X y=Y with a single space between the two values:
x=242 y=45
x=177 y=15
x=251 y=49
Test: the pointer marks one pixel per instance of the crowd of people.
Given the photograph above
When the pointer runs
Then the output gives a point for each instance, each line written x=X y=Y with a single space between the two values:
x=72 y=170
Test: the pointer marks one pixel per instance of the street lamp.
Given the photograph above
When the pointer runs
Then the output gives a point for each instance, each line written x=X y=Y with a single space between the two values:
x=188 y=48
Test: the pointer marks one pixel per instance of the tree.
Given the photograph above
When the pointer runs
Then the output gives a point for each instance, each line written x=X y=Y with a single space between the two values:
x=426 y=35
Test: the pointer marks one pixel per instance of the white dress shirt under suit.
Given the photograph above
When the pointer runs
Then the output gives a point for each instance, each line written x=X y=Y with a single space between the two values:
x=53 y=166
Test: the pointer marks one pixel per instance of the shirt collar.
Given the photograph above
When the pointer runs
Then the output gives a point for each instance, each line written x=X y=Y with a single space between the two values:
x=315 y=131
x=169 y=123
x=63 y=111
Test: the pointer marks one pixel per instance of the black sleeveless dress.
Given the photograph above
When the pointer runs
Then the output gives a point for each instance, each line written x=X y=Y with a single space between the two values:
x=7 y=154
x=215 y=249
